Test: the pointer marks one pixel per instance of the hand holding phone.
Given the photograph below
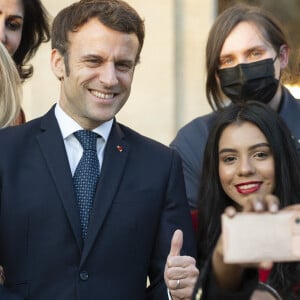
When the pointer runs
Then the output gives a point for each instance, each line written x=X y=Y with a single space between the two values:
x=255 y=237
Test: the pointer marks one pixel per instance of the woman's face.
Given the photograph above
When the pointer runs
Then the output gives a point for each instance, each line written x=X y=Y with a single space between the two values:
x=246 y=162
x=11 y=24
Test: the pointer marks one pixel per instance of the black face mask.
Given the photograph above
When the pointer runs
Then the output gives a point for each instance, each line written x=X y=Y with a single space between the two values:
x=250 y=81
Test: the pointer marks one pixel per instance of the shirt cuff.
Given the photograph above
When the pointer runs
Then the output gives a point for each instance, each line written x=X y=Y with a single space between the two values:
x=169 y=294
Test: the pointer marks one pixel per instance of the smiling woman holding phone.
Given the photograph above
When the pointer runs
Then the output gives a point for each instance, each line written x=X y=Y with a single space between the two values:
x=250 y=165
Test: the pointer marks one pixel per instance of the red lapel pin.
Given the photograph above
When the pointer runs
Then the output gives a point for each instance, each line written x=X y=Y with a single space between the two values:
x=120 y=148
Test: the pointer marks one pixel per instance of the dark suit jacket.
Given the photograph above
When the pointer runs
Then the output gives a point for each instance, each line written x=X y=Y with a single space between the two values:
x=140 y=201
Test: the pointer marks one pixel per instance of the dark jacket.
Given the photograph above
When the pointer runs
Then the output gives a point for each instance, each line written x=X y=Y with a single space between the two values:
x=140 y=201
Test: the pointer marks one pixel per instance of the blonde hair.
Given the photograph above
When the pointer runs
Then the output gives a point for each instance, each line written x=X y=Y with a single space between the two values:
x=10 y=89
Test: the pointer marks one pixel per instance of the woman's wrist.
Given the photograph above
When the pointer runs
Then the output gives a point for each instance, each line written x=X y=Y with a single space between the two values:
x=228 y=276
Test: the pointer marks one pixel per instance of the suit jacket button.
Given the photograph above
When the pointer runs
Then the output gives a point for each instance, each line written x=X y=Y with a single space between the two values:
x=84 y=275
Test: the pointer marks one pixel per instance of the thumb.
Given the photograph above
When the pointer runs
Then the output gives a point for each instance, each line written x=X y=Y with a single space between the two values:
x=176 y=243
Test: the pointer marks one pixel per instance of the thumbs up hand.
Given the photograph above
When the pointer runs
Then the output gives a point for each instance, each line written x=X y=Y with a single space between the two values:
x=181 y=273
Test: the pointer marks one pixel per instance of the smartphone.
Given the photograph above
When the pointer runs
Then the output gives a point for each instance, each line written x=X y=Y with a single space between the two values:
x=256 y=237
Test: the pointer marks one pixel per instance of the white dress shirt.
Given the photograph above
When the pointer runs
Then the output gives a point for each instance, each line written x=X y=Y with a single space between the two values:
x=73 y=147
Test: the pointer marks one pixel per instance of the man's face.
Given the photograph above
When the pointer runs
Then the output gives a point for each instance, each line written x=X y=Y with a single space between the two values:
x=101 y=65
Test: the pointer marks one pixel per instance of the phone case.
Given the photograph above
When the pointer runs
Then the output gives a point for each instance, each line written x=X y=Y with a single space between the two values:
x=256 y=237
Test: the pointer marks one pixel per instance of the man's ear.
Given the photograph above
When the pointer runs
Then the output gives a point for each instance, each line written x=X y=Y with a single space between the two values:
x=57 y=64
x=284 y=52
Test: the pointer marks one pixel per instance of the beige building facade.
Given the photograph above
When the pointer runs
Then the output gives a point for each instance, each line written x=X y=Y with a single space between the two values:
x=168 y=87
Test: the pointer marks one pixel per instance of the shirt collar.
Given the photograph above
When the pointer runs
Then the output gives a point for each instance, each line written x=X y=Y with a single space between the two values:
x=68 y=126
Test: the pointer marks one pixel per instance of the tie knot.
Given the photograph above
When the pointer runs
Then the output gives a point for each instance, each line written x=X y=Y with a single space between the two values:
x=87 y=139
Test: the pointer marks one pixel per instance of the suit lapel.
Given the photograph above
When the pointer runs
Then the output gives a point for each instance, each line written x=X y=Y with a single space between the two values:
x=53 y=150
x=115 y=157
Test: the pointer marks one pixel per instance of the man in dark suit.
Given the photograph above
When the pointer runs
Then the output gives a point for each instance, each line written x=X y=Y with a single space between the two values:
x=45 y=249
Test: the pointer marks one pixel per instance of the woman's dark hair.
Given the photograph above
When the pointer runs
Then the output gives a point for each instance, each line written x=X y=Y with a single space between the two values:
x=212 y=199
x=35 y=31
x=270 y=29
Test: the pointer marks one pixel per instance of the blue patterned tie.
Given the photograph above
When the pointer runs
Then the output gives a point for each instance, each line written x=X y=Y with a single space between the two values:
x=86 y=176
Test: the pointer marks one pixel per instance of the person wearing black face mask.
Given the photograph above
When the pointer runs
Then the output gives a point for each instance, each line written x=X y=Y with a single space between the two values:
x=249 y=81
x=246 y=54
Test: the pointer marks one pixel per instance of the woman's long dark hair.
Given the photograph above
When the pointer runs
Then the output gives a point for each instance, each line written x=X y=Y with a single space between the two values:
x=35 y=31
x=212 y=200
